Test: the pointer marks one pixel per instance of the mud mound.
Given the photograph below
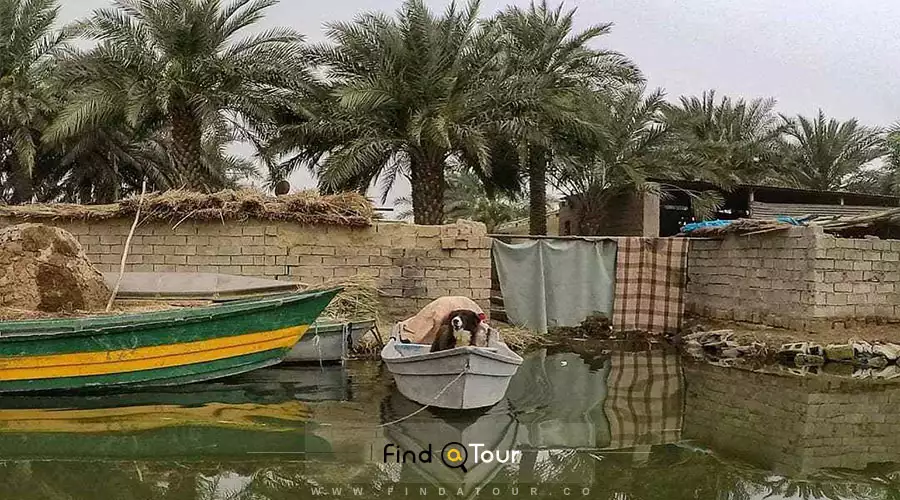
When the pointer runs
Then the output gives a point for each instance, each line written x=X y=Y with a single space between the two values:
x=44 y=268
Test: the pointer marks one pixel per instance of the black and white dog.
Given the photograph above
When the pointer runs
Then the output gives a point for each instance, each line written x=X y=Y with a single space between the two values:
x=462 y=327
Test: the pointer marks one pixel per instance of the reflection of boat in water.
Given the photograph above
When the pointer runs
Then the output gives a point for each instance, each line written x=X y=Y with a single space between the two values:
x=234 y=418
x=495 y=428
x=556 y=405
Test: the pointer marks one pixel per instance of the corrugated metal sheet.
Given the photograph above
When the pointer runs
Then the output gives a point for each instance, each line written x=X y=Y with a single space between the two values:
x=771 y=210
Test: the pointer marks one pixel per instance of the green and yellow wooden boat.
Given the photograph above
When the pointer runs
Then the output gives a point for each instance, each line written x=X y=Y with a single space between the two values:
x=169 y=347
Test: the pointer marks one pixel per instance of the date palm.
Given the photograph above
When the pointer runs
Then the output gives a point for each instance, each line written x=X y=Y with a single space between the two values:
x=546 y=67
x=28 y=45
x=403 y=96
x=824 y=153
x=179 y=68
x=620 y=158
x=725 y=140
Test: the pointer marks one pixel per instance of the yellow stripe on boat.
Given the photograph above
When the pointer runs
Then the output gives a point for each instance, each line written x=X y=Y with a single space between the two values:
x=146 y=358
x=138 y=418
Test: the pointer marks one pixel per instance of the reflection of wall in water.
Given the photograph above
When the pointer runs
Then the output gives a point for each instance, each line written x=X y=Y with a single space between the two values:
x=630 y=399
x=792 y=424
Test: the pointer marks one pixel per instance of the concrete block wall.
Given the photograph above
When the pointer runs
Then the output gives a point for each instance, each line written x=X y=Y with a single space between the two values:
x=792 y=425
x=412 y=265
x=800 y=278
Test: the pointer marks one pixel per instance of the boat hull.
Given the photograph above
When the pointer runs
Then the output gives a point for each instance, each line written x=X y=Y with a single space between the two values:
x=461 y=378
x=159 y=348
x=328 y=342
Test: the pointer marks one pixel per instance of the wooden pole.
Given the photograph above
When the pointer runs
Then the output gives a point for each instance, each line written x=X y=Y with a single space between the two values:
x=137 y=217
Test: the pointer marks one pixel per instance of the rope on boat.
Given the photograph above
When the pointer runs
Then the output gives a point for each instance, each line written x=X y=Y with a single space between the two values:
x=436 y=396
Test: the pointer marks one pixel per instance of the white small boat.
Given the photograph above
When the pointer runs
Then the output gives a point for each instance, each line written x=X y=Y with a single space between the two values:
x=460 y=378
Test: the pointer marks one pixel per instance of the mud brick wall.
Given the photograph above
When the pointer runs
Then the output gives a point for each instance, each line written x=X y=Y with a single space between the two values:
x=412 y=265
x=792 y=425
x=628 y=214
x=800 y=279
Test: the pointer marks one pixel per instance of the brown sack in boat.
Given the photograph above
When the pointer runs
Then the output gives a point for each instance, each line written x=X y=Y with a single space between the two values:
x=424 y=326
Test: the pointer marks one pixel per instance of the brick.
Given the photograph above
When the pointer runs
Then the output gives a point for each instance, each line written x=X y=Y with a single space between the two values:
x=310 y=260
x=344 y=272
x=411 y=272
x=320 y=250
x=379 y=261
x=175 y=240
x=253 y=250
x=241 y=260
x=227 y=250
x=275 y=270
x=186 y=250
x=155 y=259
x=275 y=250
x=358 y=261
x=301 y=271
x=287 y=260
x=862 y=265
x=333 y=261
x=253 y=230
x=253 y=270
x=176 y=259
x=163 y=268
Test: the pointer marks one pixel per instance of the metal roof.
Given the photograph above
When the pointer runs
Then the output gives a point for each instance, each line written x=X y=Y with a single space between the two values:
x=698 y=184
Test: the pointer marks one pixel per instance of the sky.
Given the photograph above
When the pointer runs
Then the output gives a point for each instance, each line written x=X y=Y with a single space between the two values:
x=842 y=56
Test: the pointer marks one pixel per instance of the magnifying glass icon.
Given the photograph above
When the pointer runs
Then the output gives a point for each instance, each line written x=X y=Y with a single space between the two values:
x=454 y=455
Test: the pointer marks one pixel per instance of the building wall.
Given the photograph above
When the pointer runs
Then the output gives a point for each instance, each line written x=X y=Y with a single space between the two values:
x=411 y=264
x=800 y=278
x=628 y=214
x=792 y=425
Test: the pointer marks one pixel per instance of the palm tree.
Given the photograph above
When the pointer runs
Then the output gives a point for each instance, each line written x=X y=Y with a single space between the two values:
x=28 y=46
x=620 y=158
x=725 y=141
x=406 y=95
x=824 y=153
x=545 y=68
x=176 y=68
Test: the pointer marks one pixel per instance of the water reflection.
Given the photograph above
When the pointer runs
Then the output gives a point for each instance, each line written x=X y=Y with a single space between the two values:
x=618 y=425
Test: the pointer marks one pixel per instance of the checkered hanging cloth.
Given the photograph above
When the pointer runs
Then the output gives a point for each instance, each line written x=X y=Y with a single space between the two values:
x=650 y=279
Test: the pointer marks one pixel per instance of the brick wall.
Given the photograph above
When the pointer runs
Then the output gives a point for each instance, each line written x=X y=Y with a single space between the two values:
x=792 y=425
x=800 y=278
x=628 y=214
x=412 y=264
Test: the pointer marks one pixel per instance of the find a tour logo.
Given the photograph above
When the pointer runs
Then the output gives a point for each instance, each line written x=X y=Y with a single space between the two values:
x=453 y=455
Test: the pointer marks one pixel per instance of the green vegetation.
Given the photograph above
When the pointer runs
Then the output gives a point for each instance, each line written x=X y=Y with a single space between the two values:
x=477 y=112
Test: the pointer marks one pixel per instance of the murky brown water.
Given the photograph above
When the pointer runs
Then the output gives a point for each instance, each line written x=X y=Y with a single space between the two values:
x=625 y=425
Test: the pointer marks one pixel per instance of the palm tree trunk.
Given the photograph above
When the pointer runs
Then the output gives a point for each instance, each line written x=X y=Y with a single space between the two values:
x=23 y=186
x=187 y=150
x=427 y=180
x=537 y=191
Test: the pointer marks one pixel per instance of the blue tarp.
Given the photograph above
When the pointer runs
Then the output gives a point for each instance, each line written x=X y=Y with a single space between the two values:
x=693 y=226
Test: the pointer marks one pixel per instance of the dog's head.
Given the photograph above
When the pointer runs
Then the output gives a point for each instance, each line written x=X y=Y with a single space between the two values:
x=464 y=319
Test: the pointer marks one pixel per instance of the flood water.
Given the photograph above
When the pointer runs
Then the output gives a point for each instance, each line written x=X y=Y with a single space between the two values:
x=623 y=425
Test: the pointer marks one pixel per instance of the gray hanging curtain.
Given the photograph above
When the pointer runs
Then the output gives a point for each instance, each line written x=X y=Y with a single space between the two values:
x=550 y=283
